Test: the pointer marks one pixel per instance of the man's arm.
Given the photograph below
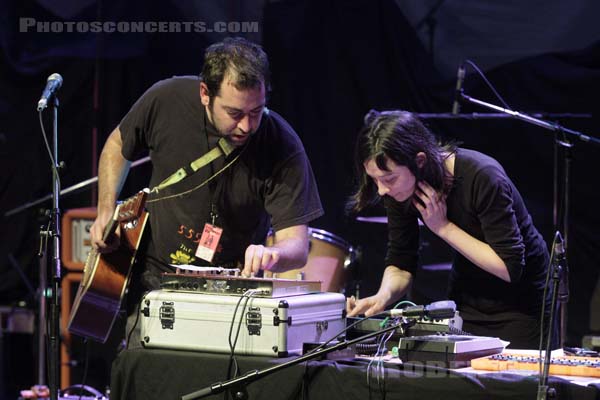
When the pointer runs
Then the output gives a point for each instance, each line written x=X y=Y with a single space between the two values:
x=289 y=251
x=394 y=284
x=112 y=171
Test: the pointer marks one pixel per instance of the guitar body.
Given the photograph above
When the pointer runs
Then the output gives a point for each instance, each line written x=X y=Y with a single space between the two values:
x=105 y=278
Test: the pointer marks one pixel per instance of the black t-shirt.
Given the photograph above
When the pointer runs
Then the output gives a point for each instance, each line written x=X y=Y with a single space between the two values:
x=486 y=205
x=270 y=184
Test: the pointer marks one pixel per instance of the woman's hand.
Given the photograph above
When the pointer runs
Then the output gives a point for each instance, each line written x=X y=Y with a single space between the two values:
x=369 y=306
x=432 y=206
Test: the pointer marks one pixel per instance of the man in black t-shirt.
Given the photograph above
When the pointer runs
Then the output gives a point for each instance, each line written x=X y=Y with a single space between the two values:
x=266 y=181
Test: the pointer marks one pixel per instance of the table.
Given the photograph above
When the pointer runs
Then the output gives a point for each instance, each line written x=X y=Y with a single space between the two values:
x=146 y=374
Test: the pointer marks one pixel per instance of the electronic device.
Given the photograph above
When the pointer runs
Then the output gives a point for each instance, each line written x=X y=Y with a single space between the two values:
x=422 y=326
x=454 y=351
x=565 y=365
x=206 y=283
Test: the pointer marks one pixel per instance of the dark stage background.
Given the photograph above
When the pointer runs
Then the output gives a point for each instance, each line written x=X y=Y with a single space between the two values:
x=332 y=61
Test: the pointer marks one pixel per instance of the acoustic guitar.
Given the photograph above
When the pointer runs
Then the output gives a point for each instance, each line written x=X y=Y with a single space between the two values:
x=105 y=276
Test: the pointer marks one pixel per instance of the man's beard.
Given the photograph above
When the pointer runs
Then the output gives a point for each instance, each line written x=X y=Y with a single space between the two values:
x=214 y=130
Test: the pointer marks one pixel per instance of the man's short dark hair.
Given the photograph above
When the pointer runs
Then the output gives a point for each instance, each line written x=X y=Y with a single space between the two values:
x=239 y=59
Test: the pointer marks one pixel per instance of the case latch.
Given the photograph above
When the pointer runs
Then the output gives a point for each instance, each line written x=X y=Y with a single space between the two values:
x=166 y=314
x=254 y=321
x=322 y=326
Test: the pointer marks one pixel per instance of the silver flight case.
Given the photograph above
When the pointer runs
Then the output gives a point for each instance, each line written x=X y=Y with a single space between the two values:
x=269 y=326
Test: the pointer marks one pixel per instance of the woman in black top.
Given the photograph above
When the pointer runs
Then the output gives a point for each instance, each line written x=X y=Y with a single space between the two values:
x=465 y=198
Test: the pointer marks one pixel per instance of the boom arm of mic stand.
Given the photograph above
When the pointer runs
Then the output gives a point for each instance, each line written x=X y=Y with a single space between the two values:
x=68 y=190
x=535 y=121
x=254 y=375
x=476 y=115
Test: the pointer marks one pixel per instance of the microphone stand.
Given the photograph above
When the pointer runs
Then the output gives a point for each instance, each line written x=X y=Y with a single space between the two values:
x=239 y=384
x=556 y=273
x=52 y=231
x=45 y=233
x=557 y=270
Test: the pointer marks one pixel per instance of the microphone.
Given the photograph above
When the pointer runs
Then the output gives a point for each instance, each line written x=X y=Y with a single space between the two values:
x=52 y=85
x=460 y=78
x=438 y=310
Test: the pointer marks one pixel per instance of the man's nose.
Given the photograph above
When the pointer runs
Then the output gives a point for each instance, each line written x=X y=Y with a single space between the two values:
x=244 y=124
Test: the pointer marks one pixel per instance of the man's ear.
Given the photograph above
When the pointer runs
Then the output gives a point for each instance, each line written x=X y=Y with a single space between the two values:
x=420 y=159
x=204 y=97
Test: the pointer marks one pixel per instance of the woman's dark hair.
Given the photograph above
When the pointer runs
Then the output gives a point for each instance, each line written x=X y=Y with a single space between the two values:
x=245 y=62
x=398 y=136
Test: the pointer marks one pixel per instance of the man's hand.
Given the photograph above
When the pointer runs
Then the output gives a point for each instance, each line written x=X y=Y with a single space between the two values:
x=97 y=233
x=289 y=251
x=259 y=257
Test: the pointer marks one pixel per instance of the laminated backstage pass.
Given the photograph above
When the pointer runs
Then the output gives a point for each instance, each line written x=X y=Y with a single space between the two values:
x=209 y=242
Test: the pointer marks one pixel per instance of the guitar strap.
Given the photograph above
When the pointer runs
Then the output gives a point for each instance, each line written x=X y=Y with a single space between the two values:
x=223 y=148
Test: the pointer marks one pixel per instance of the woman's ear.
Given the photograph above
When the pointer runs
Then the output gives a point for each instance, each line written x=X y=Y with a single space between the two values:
x=420 y=159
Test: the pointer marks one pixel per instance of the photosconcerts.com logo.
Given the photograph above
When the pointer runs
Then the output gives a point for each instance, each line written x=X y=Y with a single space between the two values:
x=33 y=25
